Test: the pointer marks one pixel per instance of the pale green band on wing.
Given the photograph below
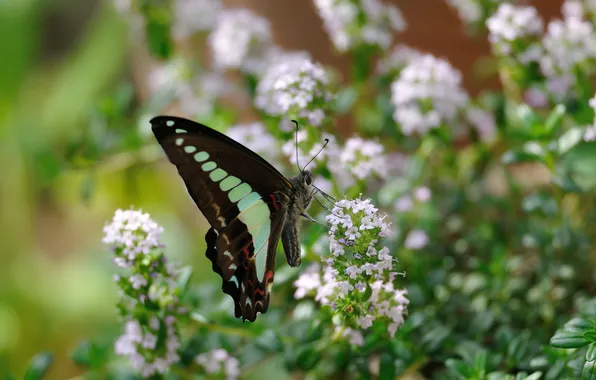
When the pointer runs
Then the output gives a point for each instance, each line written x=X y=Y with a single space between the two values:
x=170 y=123
x=179 y=141
x=217 y=175
x=179 y=130
x=239 y=192
x=201 y=156
x=208 y=166
x=256 y=217
x=229 y=183
x=190 y=149
x=248 y=200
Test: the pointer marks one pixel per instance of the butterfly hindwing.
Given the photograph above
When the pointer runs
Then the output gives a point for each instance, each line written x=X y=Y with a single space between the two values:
x=244 y=199
x=240 y=278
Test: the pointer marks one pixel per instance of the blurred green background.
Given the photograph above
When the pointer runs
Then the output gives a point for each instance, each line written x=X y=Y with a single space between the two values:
x=64 y=63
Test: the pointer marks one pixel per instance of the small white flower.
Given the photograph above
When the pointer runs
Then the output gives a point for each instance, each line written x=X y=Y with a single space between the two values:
x=344 y=287
x=219 y=361
x=354 y=336
x=361 y=286
x=366 y=321
x=353 y=271
x=422 y=194
x=137 y=281
x=426 y=94
x=191 y=16
x=308 y=281
x=368 y=22
x=470 y=11
x=404 y=204
x=241 y=40
x=416 y=239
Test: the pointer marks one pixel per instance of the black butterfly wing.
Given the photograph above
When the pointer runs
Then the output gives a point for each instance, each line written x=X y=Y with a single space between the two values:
x=242 y=196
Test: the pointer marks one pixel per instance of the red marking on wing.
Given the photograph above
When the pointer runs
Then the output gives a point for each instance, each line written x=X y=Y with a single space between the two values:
x=245 y=249
x=268 y=276
x=274 y=202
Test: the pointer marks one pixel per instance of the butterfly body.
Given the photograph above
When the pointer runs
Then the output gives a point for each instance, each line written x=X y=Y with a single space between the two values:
x=247 y=202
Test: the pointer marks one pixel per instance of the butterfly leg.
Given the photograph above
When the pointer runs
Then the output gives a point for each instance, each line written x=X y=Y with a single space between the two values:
x=324 y=194
x=310 y=218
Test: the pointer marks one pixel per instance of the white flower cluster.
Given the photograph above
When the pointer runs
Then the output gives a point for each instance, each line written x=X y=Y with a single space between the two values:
x=219 y=361
x=294 y=86
x=150 y=342
x=257 y=138
x=427 y=93
x=138 y=340
x=514 y=31
x=192 y=16
x=132 y=234
x=568 y=45
x=363 y=158
x=240 y=40
x=356 y=266
x=352 y=23
x=399 y=57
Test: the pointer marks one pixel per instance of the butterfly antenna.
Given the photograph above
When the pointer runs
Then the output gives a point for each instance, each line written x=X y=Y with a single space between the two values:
x=296 y=134
x=315 y=156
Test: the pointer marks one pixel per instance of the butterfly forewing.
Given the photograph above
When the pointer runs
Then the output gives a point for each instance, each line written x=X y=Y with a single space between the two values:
x=243 y=198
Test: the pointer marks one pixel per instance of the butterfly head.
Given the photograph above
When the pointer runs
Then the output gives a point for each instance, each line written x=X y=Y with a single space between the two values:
x=303 y=189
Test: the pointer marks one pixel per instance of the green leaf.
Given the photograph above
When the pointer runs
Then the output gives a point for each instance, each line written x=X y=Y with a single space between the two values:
x=578 y=324
x=590 y=335
x=344 y=100
x=184 y=276
x=580 y=164
x=569 y=139
x=591 y=353
x=534 y=376
x=480 y=361
x=459 y=367
x=566 y=339
x=269 y=341
x=531 y=152
x=387 y=370
x=554 y=119
x=39 y=366
x=589 y=371
x=307 y=357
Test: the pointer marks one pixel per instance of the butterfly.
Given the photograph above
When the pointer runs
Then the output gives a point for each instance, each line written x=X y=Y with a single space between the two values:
x=248 y=203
